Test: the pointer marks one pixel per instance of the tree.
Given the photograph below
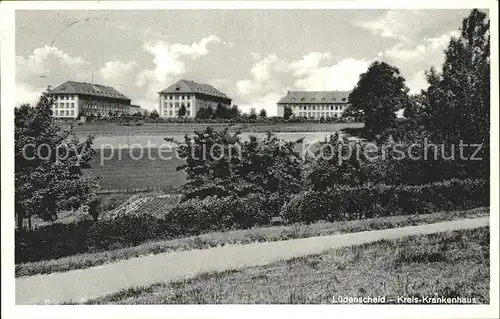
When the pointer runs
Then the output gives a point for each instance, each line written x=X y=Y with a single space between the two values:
x=353 y=113
x=331 y=168
x=287 y=112
x=48 y=164
x=212 y=163
x=154 y=115
x=221 y=112
x=182 y=111
x=234 y=112
x=263 y=114
x=253 y=114
x=458 y=98
x=205 y=113
x=219 y=164
x=415 y=106
x=379 y=93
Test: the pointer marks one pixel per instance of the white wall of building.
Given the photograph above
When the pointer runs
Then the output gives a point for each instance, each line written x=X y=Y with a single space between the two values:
x=169 y=104
x=66 y=107
x=331 y=110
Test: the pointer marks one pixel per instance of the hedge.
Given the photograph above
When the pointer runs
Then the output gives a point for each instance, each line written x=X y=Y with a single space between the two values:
x=192 y=217
x=59 y=240
x=348 y=203
x=195 y=216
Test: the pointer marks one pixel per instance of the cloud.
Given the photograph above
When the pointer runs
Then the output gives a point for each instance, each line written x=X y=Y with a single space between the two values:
x=341 y=76
x=309 y=62
x=396 y=24
x=271 y=77
x=442 y=41
x=262 y=70
x=417 y=82
x=118 y=74
x=26 y=93
x=414 y=59
x=263 y=76
x=116 y=69
x=407 y=25
x=169 y=63
x=47 y=60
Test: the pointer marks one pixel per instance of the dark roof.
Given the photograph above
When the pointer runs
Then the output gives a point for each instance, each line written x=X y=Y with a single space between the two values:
x=315 y=97
x=72 y=87
x=185 y=86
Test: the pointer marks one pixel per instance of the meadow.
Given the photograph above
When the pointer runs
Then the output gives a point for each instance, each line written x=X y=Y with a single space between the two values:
x=112 y=129
x=123 y=169
x=446 y=265
x=129 y=173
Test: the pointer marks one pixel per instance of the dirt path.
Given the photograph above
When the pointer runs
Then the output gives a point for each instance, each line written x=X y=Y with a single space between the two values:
x=80 y=285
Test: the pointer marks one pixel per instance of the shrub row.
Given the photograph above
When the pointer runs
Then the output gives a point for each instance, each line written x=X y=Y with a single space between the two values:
x=59 y=240
x=194 y=216
x=347 y=203
x=191 y=217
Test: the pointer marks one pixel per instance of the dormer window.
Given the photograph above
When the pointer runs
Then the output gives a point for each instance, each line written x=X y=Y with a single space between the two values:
x=303 y=99
x=293 y=99
x=177 y=88
x=343 y=99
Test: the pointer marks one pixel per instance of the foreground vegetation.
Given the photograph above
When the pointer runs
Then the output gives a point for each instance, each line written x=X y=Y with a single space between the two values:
x=264 y=234
x=210 y=214
x=447 y=265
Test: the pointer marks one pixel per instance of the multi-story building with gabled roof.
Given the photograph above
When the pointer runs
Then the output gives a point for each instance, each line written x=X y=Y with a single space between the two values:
x=192 y=95
x=315 y=104
x=80 y=98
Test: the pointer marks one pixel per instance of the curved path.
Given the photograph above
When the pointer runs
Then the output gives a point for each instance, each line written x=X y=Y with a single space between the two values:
x=80 y=285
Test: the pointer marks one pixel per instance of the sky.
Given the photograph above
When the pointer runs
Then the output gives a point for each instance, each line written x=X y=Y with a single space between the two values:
x=254 y=56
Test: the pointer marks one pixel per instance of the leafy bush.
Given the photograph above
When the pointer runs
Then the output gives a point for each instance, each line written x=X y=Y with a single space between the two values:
x=191 y=217
x=59 y=240
x=367 y=201
x=196 y=216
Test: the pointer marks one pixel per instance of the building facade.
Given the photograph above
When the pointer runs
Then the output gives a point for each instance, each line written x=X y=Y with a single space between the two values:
x=192 y=95
x=80 y=98
x=315 y=104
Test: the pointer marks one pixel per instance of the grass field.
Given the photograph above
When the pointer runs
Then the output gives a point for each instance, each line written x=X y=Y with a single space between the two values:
x=264 y=234
x=127 y=173
x=112 y=129
x=445 y=265
x=133 y=169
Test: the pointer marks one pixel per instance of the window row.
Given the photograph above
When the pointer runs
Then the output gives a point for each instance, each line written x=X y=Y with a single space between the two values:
x=64 y=113
x=178 y=97
x=319 y=115
x=317 y=107
x=177 y=105
x=322 y=99
x=66 y=97
x=64 y=105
